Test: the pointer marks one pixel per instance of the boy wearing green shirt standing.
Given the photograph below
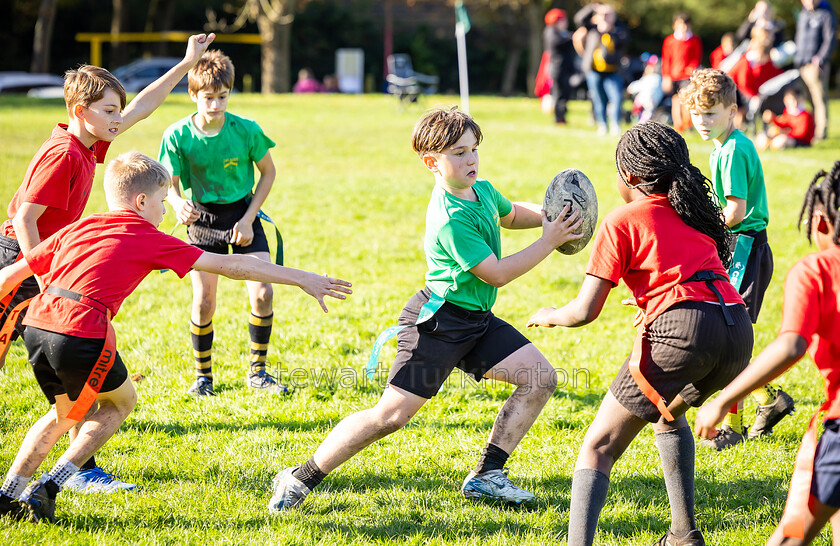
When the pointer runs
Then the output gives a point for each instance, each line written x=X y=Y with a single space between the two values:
x=211 y=155
x=738 y=181
x=449 y=323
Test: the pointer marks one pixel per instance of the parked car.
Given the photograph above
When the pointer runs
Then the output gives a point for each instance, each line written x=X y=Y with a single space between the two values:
x=136 y=75
x=22 y=82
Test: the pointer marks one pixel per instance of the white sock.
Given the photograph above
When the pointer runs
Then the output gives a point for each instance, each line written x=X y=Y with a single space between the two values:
x=62 y=471
x=14 y=485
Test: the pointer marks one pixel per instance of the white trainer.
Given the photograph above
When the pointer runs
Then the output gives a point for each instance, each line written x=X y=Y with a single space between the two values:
x=288 y=492
x=494 y=485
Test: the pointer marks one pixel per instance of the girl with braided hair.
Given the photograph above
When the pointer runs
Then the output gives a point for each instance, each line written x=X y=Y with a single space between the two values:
x=669 y=245
x=810 y=322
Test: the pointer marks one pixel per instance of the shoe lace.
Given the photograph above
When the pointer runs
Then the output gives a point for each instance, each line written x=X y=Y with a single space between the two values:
x=99 y=475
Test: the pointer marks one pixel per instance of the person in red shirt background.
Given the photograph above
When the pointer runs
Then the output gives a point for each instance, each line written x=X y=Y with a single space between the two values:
x=682 y=52
x=89 y=268
x=793 y=129
x=810 y=322
x=726 y=47
x=751 y=71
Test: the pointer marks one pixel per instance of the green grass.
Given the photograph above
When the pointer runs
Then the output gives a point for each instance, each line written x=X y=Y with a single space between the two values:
x=350 y=198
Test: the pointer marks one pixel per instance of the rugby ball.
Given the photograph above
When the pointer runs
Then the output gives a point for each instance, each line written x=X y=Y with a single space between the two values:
x=572 y=187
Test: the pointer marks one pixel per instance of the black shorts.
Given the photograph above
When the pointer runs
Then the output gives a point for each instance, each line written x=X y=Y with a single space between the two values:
x=473 y=341
x=62 y=363
x=677 y=86
x=9 y=251
x=757 y=274
x=692 y=352
x=825 y=483
x=213 y=230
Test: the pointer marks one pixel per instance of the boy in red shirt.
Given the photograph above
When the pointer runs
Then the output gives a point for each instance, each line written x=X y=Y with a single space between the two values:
x=89 y=268
x=682 y=52
x=793 y=129
x=810 y=322
x=57 y=186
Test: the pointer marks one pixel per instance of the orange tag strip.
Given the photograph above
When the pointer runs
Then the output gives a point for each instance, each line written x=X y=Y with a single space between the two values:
x=94 y=382
x=636 y=373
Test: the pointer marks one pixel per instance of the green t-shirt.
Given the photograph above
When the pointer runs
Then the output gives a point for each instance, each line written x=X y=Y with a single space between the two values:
x=460 y=234
x=736 y=172
x=218 y=168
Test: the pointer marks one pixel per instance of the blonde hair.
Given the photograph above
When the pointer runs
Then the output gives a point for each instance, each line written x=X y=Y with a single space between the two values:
x=87 y=84
x=441 y=128
x=708 y=87
x=213 y=71
x=133 y=173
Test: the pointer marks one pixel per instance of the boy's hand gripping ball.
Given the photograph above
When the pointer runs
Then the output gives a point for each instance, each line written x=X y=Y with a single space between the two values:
x=572 y=187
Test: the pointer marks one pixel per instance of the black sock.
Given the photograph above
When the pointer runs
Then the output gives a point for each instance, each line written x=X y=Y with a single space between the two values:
x=589 y=493
x=676 y=451
x=309 y=474
x=90 y=464
x=492 y=458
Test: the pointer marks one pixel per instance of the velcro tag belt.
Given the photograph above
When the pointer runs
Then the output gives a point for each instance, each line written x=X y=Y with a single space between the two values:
x=94 y=382
x=796 y=506
x=278 y=251
x=640 y=345
x=426 y=312
x=10 y=320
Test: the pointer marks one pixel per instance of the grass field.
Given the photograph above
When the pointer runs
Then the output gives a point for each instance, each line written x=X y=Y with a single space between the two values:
x=350 y=199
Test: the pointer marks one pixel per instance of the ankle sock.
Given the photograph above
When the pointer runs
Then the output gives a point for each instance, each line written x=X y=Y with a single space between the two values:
x=90 y=464
x=202 y=342
x=735 y=420
x=259 y=330
x=62 y=471
x=14 y=485
x=765 y=395
x=676 y=451
x=492 y=458
x=309 y=474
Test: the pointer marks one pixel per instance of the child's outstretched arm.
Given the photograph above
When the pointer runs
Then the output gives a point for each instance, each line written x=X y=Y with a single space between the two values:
x=498 y=273
x=582 y=310
x=773 y=361
x=154 y=94
x=243 y=233
x=13 y=275
x=250 y=268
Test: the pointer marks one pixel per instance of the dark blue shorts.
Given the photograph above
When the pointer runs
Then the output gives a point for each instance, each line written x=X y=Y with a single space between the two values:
x=825 y=485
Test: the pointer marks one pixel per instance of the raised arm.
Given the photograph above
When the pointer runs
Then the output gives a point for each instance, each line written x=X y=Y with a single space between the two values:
x=498 y=272
x=155 y=93
x=580 y=311
x=250 y=268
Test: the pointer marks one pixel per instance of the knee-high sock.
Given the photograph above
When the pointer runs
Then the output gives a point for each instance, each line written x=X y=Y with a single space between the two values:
x=202 y=342
x=259 y=329
x=589 y=493
x=676 y=451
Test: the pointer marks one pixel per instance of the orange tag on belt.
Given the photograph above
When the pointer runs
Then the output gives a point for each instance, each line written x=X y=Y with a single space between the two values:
x=94 y=382
x=636 y=373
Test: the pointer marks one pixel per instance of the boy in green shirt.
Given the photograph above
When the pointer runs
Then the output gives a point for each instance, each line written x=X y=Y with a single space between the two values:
x=738 y=181
x=449 y=324
x=211 y=155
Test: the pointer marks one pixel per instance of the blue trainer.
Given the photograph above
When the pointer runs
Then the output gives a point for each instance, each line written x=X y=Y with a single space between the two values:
x=97 y=480
x=494 y=485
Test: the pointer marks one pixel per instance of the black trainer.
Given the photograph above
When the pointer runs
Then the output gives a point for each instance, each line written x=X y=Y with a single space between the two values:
x=769 y=415
x=693 y=538
x=10 y=508
x=39 y=498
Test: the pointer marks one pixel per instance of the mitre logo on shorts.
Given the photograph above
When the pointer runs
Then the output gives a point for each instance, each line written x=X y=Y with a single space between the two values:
x=100 y=369
x=230 y=162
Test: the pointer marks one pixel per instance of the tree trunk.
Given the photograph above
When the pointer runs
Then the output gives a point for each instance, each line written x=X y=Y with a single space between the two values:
x=159 y=17
x=276 y=55
x=119 y=17
x=43 y=37
x=535 y=29
x=511 y=67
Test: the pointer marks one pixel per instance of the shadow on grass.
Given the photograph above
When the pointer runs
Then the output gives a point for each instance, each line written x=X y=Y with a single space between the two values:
x=179 y=428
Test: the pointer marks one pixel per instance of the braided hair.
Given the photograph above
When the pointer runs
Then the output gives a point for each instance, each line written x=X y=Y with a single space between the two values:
x=658 y=156
x=825 y=194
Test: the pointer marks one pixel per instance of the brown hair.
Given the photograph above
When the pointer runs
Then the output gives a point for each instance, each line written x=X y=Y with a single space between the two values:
x=213 y=71
x=132 y=173
x=87 y=84
x=441 y=128
x=708 y=87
